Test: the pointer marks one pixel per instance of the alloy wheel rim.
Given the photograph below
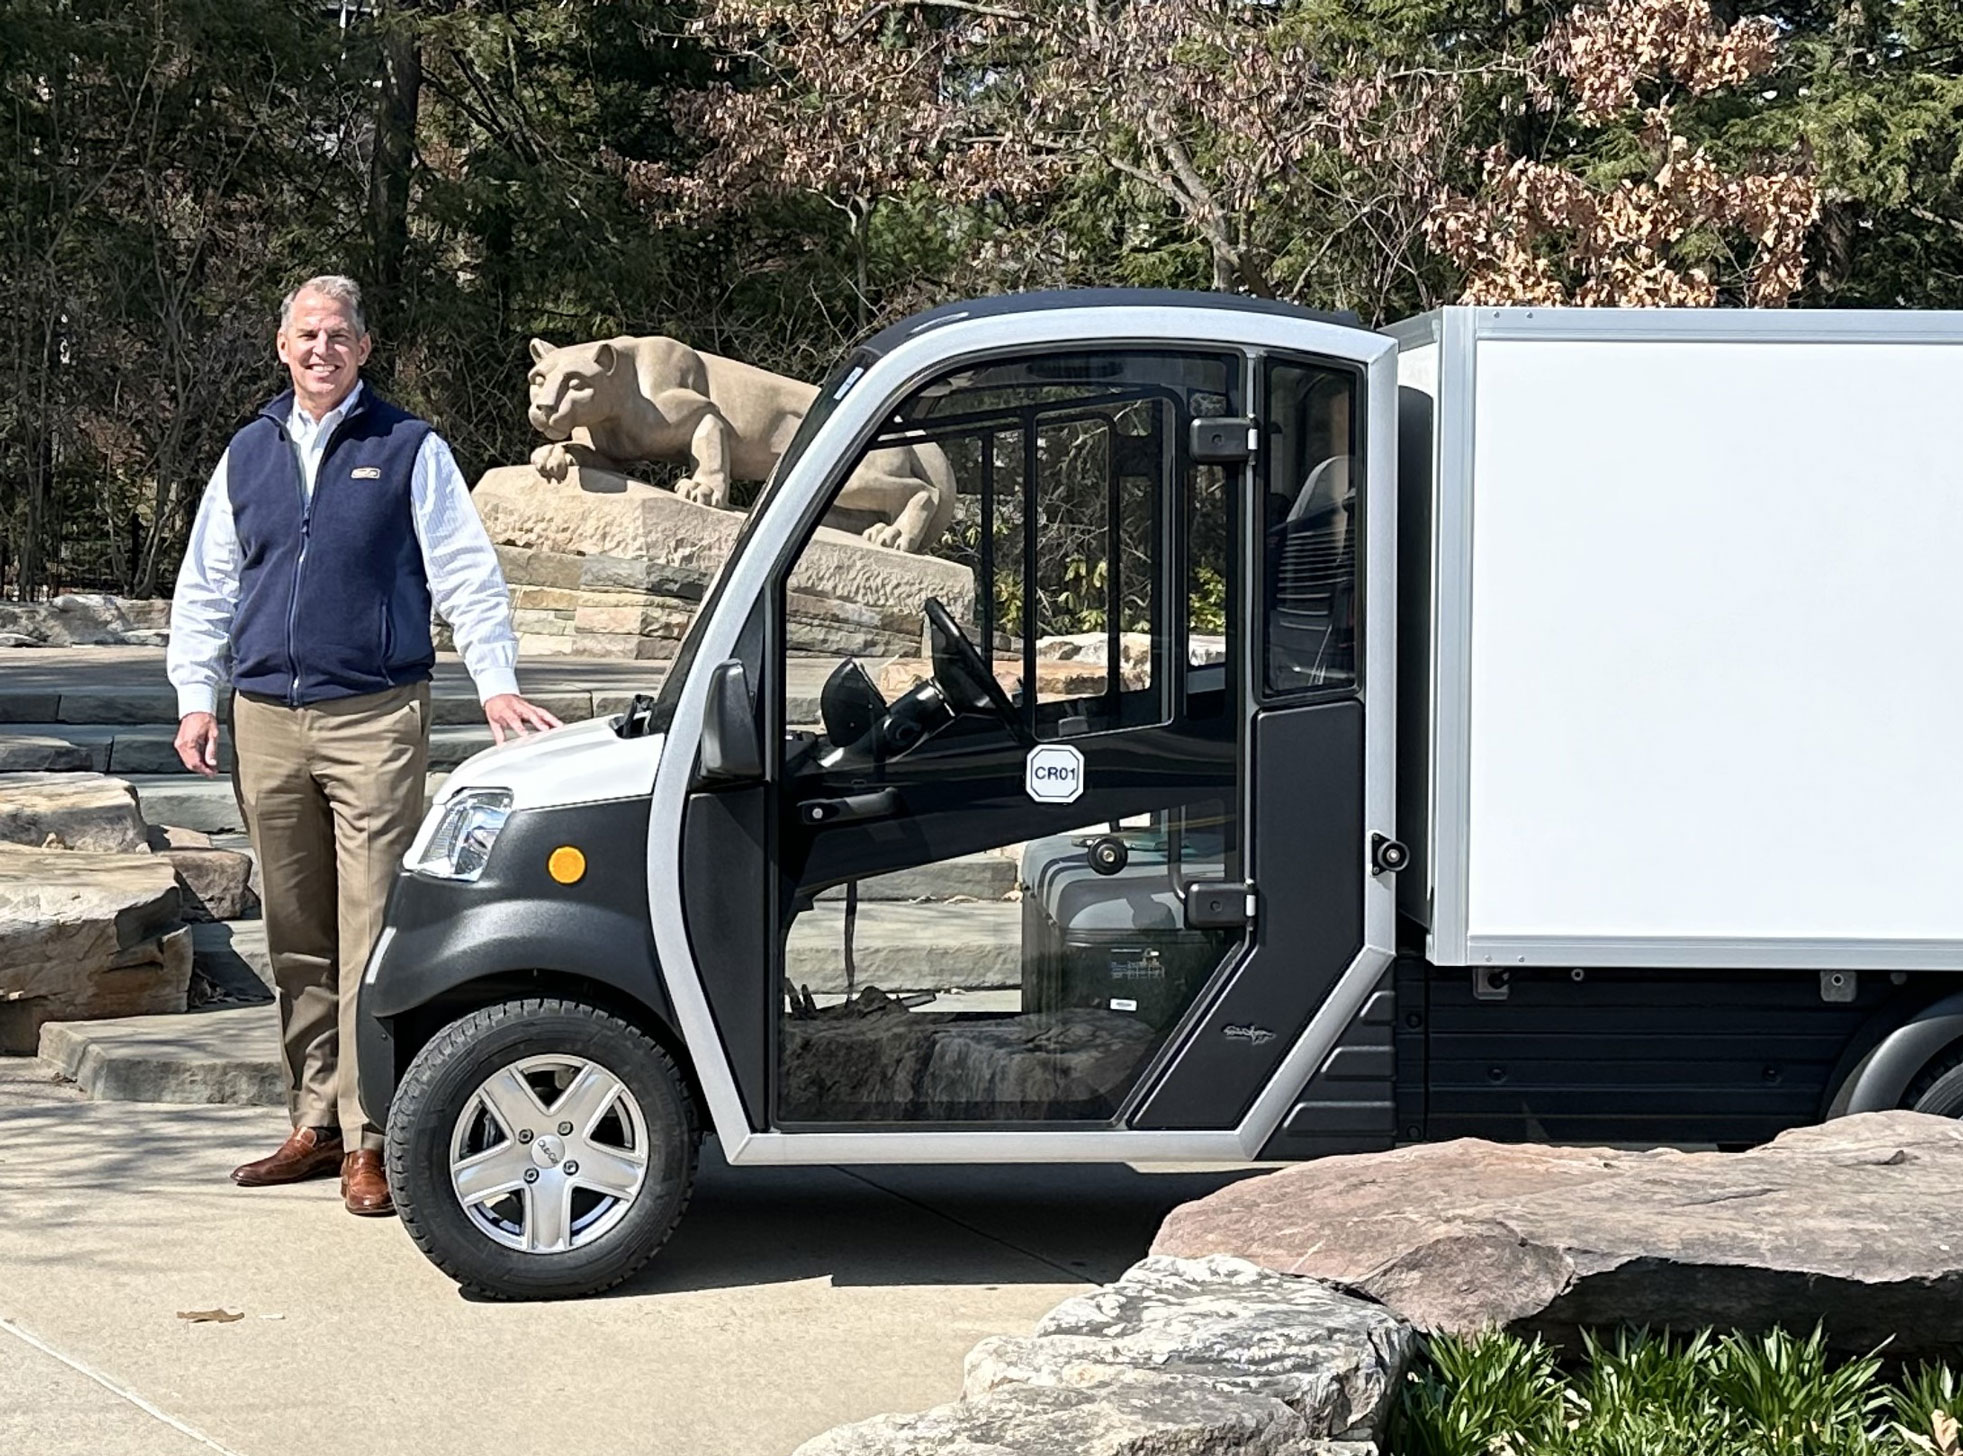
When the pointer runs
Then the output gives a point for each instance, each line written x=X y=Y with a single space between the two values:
x=549 y=1154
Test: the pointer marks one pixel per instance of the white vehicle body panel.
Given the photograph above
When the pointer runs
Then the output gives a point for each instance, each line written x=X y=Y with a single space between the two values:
x=1694 y=667
x=581 y=763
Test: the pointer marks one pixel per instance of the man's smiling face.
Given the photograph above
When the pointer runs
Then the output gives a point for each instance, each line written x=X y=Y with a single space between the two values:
x=322 y=351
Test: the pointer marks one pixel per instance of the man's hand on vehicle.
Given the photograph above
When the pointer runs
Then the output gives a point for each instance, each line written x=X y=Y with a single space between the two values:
x=509 y=713
x=197 y=743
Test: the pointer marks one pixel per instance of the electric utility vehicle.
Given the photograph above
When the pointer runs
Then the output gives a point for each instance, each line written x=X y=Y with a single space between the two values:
x=1308 y=739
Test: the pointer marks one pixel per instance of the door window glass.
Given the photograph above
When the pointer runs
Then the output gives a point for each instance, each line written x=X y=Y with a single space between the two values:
x=1313 y=471
x=956 y=945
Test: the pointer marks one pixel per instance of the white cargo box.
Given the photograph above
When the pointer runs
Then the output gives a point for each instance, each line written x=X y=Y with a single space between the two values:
x=1684 y=682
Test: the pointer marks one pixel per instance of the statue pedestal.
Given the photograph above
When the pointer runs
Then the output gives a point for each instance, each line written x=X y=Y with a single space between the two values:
x=605 y=566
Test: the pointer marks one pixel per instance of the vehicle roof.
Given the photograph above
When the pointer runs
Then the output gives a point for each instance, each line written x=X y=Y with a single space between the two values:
x=998 y=305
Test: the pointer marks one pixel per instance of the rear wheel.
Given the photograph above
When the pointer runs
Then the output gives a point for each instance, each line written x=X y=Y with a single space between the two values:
x=1940 y=1090
x=541 y=1149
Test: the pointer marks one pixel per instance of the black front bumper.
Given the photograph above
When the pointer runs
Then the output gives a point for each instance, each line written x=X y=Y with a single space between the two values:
x=450 y=946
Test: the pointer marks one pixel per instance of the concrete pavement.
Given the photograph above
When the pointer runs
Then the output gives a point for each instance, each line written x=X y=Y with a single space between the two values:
x=789 y=1300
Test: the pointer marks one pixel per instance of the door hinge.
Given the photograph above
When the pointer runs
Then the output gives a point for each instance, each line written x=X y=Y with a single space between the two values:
x=1387 y=855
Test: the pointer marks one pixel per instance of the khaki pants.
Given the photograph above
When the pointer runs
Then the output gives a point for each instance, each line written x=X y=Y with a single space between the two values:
x=332 y=795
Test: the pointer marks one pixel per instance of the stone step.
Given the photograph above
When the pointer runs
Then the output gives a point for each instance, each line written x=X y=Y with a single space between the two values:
x=232 y=955
x=71 y=692
x=185 y=801
x=909 y=946
x=970 y=955
x=228 y=1055
x=127 y=749
x=987 y=876
x=896 y=945
x=151 y=702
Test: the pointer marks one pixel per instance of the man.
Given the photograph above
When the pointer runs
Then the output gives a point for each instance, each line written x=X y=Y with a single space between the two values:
x=332 y=523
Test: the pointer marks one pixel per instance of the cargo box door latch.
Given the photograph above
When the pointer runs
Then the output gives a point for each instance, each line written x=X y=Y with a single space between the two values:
x=1219 y=905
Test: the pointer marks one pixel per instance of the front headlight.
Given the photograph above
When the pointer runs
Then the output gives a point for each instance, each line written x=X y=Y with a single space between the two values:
x=461 y=843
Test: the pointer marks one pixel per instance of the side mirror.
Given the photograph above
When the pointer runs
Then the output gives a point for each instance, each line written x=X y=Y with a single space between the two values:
x=732 y=751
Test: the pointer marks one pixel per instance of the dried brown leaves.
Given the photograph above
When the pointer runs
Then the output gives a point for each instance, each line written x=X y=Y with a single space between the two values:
x=1235 y=125
x=1689 y=234
x=1606 y=52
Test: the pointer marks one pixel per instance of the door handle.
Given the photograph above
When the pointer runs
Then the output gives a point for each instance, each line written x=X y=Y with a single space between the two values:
x=1218 y=905
x=850 y=808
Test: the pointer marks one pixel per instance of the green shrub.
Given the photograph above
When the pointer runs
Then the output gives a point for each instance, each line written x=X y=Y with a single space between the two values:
x=1634 y=1393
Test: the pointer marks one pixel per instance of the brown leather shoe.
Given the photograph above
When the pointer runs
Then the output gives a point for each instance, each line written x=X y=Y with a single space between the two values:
x=364 y=1186
x=307 y=1154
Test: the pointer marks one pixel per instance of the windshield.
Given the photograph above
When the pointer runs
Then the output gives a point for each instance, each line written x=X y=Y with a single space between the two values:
x=830 y=394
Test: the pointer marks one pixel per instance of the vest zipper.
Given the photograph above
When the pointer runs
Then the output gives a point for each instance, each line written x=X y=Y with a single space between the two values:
x=293 y=602
x=307 y=499
x=293 y=592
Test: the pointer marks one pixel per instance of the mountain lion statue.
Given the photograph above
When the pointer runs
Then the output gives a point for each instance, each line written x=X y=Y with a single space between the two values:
x=614 y=402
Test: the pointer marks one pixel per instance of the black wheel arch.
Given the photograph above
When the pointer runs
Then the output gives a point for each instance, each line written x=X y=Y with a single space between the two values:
x=1905 y=1040
x=451 y=947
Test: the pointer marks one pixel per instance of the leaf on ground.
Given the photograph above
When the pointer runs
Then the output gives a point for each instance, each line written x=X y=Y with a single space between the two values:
x=210 y=1316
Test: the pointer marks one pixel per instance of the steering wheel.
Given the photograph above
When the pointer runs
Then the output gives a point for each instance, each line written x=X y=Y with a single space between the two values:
x=963 y=675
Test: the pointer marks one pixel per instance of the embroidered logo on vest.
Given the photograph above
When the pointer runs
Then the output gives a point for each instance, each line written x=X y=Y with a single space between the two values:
x=366 y=472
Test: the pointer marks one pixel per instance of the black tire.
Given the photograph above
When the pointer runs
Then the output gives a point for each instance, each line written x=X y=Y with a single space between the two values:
x=443 y=1081
x=1942 y=1094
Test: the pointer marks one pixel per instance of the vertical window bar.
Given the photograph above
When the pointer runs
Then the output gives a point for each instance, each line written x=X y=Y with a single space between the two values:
x=1114 y=548
x=1165 y=645
x=1031 y=478
x=987 y=603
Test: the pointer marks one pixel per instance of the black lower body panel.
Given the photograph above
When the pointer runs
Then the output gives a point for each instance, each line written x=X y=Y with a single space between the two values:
x=1633 y=1056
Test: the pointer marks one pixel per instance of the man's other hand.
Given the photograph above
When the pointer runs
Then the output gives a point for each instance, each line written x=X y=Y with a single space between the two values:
x=197 y=743
x=508 y=713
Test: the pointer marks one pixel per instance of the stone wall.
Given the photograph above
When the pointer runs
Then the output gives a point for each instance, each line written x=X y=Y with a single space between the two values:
x=85 y=619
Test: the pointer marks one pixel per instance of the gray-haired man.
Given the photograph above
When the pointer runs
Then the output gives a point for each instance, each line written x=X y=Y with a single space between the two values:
x=332 y=524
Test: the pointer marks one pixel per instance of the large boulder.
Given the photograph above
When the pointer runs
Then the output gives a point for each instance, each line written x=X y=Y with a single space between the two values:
x=1331 y=1358
x=71 y=811
x=1853 y=1224
x=602 y=564
x=86 y=935
x=1178 y=1358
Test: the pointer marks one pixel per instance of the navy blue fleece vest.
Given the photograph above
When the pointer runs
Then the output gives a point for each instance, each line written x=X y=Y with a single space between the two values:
x=333 y=600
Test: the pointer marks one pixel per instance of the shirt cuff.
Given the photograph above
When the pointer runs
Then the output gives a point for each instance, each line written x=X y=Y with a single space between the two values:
x=495 y=680
x=197 y=698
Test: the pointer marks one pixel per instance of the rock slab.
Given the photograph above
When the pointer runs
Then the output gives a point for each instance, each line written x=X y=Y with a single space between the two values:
x=1856 y=1223
x=216 y=883
x=84 y=935
x=1178 y=1358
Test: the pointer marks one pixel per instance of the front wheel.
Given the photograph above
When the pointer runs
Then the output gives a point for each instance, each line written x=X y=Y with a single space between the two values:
x=541 y=1149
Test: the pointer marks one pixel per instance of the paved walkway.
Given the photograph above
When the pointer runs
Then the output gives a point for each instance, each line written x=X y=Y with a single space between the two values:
x=790 y=1300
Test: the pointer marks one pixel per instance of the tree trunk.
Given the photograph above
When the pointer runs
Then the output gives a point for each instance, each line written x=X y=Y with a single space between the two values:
x=861 y=241
x=389 y=168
